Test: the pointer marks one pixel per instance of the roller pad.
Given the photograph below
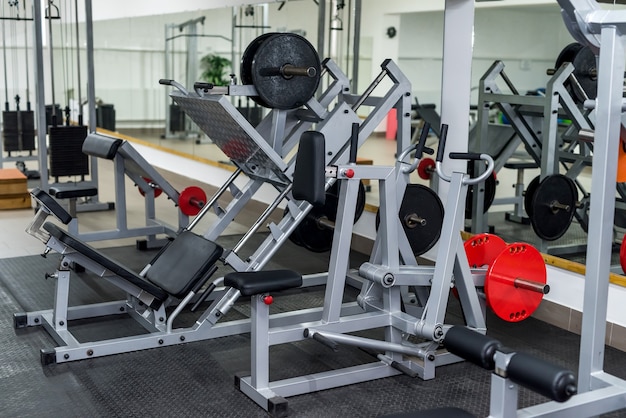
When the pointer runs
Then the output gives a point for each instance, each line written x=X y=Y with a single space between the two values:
x=545 y=378
x=309 y=178
x=255 y=282
x=101 y=146
x=472 y=346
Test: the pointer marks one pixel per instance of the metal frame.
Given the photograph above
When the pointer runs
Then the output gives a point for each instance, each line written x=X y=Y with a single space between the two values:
x=392 y=267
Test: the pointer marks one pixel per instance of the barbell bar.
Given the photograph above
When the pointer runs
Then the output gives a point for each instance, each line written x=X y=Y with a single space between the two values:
x=190 y=200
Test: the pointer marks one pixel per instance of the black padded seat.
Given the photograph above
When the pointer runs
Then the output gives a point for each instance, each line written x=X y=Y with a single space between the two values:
x=520 y=165
x=255 y=282
x=434 y=413
x=106 y=262
x=189 y=256
x=72 y=191
x=57 y=210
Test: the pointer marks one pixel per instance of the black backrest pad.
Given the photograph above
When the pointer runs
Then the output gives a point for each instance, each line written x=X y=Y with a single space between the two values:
x=104 y=261
x=186 y=260
x=101 y=146
x=308 y=177
x=46 y=200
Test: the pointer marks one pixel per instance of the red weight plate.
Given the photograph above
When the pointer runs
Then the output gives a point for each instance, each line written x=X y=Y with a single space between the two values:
x=191 y=200
x=622 y=254
x=157 y=190
x=482 y=249
x=425 y=167
x=517 y=261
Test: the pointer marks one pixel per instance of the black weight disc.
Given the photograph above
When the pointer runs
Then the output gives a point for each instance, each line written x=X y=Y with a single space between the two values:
x=584 y=62
x=528 y=195
x=586 y=74
x=318 y=238
x=421 y=201
x=245 y=69
x=273 y=52
x=548 y=221
x=488 y=196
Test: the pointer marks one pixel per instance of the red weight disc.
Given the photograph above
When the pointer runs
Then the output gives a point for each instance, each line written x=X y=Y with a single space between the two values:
x=482 y=249
x=622 y=254
x=157 y=190
x=425 y=168
x=506 y=300
x=191 y=200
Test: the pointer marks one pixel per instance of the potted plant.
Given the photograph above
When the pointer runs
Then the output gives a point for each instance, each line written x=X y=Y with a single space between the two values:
x=214 y=69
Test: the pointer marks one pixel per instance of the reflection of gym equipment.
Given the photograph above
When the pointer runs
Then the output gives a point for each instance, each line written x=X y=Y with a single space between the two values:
x=391 y=267
x=535 y=121
x=18 y=126
x=509 y=369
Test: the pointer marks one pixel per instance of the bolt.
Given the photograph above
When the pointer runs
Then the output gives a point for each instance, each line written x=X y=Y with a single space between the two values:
x=407 y=114
x=90 y=352
x=407 y=94
x=182 y=338
x=160 y=341
x=66 y=356
x=61 y=323
x=218 y=314
x=160 y=319
x=36 y=320
x=345 y=111
x=121 y=309
x=431 y=357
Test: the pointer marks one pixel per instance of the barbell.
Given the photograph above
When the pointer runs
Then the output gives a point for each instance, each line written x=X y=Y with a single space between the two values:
x=516 y=276
x=585 y=70
x=190 y=200
x=315 y=231
x=284 y=68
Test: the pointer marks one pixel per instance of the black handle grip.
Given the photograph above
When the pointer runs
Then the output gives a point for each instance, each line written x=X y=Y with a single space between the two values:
x=354 y=142
x=545 y=378
x=210 y=288
x=419 y=151
x=404 y=369
x=464 y=156
x=165 y=82
x=472 y=346
x=321 y=339
x=202 y=85
x=442 y=142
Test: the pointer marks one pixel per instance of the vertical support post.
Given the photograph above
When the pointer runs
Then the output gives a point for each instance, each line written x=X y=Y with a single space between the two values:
x=91 y=90
x=458 y=42
x=602 y=206
x=356 y=45
x=40 y=95
x=260 y=360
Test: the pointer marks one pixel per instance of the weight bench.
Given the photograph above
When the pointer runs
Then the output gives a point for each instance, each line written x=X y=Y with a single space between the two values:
x=176 y=273
x=509 y=370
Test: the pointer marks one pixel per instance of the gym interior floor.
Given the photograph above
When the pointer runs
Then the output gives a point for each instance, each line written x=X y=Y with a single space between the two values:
x=197 y=379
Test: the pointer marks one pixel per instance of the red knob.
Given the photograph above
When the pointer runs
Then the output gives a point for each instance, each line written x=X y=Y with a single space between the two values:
x=349 y=173
x=268 y=300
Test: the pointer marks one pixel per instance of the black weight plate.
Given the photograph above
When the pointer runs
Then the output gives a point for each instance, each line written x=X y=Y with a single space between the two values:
x=585 y=70
x=548 y=222
x=488 y=196
x=567 y=54
x=423 y=202
x=528 y=195
x=245 y=69
x=276 y=51
x=315 y=237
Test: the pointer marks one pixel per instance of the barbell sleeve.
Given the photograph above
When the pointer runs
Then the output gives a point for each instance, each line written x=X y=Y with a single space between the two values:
x=531 y=285
x=288 y=71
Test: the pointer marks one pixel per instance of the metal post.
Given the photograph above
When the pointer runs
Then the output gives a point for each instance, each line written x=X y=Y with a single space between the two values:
x=456 y=81
x=40 y=96
x=356 y=45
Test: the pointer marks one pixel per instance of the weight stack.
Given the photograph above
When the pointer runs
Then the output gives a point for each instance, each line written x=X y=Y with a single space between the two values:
x=66 y=151
x=13 y=190
x=177 y=119
x=18 y=137
x=105 y=116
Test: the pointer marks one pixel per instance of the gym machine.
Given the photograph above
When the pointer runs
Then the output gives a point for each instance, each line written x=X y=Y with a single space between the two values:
x=392 y=266
x=18 y=126
x=262 y=161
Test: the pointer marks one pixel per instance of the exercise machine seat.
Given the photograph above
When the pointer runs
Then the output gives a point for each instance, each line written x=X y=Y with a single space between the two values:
x=189 y=256
x=256 y=282
x=113 y=266
x=72 y=191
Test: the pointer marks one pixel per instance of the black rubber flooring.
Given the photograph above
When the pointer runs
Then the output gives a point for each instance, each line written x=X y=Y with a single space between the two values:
x=197 y=379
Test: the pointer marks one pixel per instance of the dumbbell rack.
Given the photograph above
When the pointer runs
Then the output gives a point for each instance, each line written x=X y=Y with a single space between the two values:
x=261 y=154
x=534 y=119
